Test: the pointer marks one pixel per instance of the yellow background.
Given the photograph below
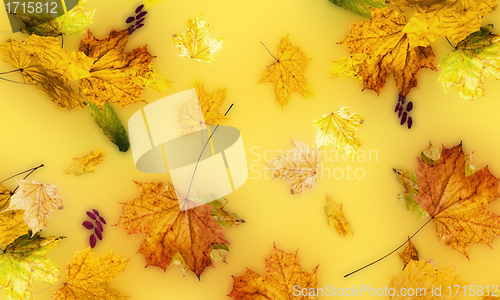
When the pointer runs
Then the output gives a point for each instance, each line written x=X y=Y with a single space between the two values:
x=34 y=131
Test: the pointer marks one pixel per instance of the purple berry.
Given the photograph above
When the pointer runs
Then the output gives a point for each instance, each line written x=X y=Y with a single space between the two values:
x=130 y=20
x=92 y=241
x=403 y=118
x=139 y=26
x=142 y=14
x=88 y=225
x=400 y=111
x=139 y=8
x=397 y=107
x=400 y=98
x=410 y=122
x=98 y=233
x=139 y=21
x=99 y=226
x=409 y=106
x=102 y=220
x=91 y=215
x=95 y=212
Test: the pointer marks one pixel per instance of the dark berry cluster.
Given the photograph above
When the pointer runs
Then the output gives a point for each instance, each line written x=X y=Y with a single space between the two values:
x=137 y=21
x=403 y=112
x=98 y=228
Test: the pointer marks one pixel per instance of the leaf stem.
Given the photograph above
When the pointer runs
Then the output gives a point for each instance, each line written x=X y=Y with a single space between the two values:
x=32 y=169
x=454 y=47
x=268 y=51
x=392 y=250
x=10 y=72
x=62 y=283
x=27 y=83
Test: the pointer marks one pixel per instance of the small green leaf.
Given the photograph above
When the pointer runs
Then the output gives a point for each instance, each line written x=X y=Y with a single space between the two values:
x=112 y=127
x=360 y=7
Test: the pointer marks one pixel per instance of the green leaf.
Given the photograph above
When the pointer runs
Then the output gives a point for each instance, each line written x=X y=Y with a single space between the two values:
x=112 y=127
x=409 y=182
x=360 y=7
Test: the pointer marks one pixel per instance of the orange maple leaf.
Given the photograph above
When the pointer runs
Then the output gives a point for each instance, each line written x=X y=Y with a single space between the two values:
x=457 y=199
x=169 y=230
x=283 y=274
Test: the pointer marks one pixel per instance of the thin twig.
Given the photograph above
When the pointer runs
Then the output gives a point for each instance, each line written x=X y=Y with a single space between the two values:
x=268 y=51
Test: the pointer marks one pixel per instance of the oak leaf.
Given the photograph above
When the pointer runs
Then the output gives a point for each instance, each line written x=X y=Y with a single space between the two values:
x=455 y=19
x=86 y=164
x=299 y=167
x=69 y=22
x=43 y=62
x=408 y=254
x=11 y=226
x=107 y=119
x=283 y=274
x=359 y=7
x=474 y=58
x=287 y=73
x=38 y=201
x=335 y=217
x=421 y=277
x=195 y=43
x=339 y=128
x=90 y=277
x=115 y=73
x=23 y=261
x=387 y=51
x=190 y=232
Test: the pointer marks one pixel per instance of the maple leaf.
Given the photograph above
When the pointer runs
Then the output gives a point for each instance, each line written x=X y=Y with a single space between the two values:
x=86 y=164
x=224 y=219
x=4 y=198
x=287 y=73
x=283 y=273
x=339 y=128
x=387 y=51
x=89 y=277
x=38 y=201
x=114 y=74
x=408 y=254
x=351 y=66
x=455 y=196
x=157 y=213
x=153 y=80
x=43 y=62
x=422 y=276
x=11 y=226
x=69 y=22
x=195 y=43
x=110 y=124
x=409 y=182
x=474 y=58
x=299 y=167
x=359 y=7
x=455 y=19
x=335 y=217
x=24 y=261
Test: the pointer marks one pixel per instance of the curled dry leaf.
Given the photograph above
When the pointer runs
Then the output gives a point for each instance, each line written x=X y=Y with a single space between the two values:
x=283 y=273
x=335 y=217
x=195 y=43
x=408 y=254
x=86 y=164
x=38 y=201
x=299 y=167
x=287 y=73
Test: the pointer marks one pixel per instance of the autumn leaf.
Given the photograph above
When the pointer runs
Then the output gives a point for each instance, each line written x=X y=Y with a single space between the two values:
x=4 y=198
x=335 y=217
x=421 y=277
x=190 y=232
x=114 y=74
x=89 y=277
x=474 y=58
x=339 y=128
x=224 y=219
x=299 y=167
x=23 y=261
x=409 y=182
x=287 y=73
x=283 y=273
x=86 y=164
x=69 y=22
x=38 y=201
x=387 y=51
x=110 y=125
x=153 y=80
x=408 y=254
x=456 y=196
x=452 y=18
x=195 y=43
x=43 y=62
x=210 y=104
x=359 y=7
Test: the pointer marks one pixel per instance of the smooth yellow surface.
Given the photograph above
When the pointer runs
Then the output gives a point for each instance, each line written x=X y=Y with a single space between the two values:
x=35 y=131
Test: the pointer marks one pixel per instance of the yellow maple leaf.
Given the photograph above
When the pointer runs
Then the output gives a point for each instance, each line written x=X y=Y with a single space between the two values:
x=4 y=198
x=195 y=43
x=11 y=226
x=335 y=217
x=287 y=73
x=387 y=51
x=455 y=19
x=299 y=167
x=422 y=278
x=153 y=80
x=86 y=164
x=408 y=254
x=43 y=62
x=115 y=73
x=90 y=277
x=38 y=201
x=339 y=128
